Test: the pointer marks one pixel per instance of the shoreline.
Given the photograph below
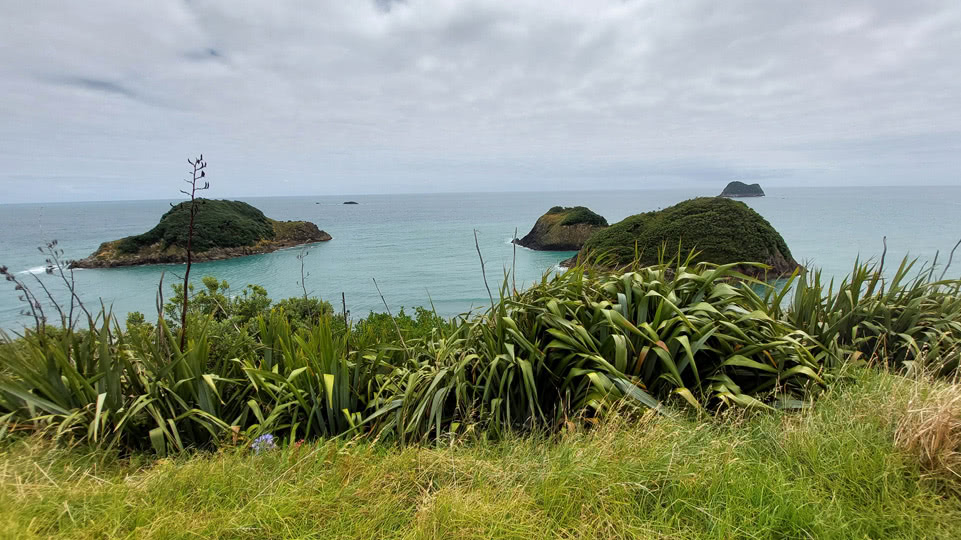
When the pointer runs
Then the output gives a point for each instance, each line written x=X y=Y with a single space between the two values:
x=221 y=254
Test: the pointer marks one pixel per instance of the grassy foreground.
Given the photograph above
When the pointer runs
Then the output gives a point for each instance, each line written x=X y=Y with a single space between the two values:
x=845 y=468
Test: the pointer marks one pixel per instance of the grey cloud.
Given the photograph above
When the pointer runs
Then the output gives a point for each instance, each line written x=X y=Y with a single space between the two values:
x=94 y=85
x=386 y=5
x=384 y=96
x=205 y=54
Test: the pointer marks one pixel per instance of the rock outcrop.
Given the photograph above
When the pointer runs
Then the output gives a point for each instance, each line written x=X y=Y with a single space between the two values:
x=720 y=230
x=222 y=230
x=740 y=189
x=562 y=229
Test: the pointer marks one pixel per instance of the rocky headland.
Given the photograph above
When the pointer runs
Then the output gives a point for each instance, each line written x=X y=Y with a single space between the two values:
x=562 y=229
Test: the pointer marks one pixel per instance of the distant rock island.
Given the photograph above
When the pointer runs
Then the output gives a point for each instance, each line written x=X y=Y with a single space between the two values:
x=740 y=189
x=563 y=229
x=722 y=231
x=351 y=202
x=222 y=230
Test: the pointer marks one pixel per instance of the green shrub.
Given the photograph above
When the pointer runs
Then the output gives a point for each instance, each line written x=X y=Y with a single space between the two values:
x=575 y=215
x=424 y=324
x=722 y=231
x=581 y=214
x=304 y=312
x=216 y=301
x=218 y=223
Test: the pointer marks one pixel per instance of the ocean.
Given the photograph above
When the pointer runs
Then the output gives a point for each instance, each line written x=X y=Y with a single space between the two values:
x=420 y=248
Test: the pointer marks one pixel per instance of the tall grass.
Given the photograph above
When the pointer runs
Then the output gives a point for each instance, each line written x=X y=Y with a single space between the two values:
x=831 y=471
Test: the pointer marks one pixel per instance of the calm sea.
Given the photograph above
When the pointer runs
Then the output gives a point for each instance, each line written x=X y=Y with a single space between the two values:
x=421 y=247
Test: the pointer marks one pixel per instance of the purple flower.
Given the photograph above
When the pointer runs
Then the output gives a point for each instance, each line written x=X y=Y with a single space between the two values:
x=263 y=443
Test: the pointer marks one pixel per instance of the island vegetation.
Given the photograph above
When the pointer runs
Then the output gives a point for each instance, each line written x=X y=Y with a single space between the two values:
x=720 y=230
x=740 y=189
x=222 y=229
x=562 y=229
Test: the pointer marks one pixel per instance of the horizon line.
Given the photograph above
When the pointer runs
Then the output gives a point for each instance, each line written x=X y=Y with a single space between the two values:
x=526 y=191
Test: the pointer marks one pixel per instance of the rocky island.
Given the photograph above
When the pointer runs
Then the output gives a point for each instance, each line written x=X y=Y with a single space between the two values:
x=563 y=229
x=740 y=189
x=722 y=231
x=222 y=230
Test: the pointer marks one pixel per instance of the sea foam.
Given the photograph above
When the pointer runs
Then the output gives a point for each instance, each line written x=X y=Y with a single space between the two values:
x=35 y=270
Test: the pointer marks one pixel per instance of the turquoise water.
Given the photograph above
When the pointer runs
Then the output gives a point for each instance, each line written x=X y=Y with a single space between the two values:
x=421 y=247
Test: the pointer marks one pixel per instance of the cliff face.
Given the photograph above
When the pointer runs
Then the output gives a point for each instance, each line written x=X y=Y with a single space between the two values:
x=740 y=189
x=222 y=230
x=722 y=231
x=562 y=229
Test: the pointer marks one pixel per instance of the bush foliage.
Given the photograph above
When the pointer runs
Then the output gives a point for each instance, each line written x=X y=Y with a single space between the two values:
x=219 y=223
x=721 y=230
x=577 y=215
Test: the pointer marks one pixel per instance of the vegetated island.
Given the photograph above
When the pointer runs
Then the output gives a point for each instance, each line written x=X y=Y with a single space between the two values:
x=563 y=229
x=222 y=230
x=722 y=231
x=740 y=189
x=351 y=202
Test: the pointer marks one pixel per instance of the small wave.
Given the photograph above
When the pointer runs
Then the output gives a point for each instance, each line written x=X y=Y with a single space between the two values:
x=509 y=241
x=36 y=270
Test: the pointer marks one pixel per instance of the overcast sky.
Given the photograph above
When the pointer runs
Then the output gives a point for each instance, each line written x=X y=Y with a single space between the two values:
x=105 y=99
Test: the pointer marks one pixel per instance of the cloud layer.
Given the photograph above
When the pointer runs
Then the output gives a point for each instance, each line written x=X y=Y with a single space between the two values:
x=105 y=99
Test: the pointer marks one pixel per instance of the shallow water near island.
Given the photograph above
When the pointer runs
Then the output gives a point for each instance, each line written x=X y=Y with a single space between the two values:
x=421 y=250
